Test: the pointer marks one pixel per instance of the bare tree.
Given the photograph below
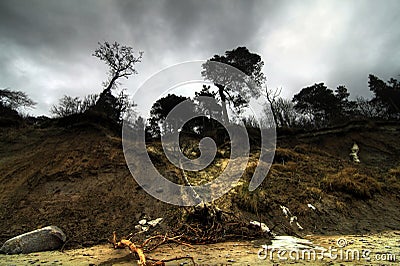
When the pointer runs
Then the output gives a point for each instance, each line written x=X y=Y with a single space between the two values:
x=15 y=99
x=370 y=109
x=285 y=112
x=120 y=60
x=281 y=111
x=272 y=95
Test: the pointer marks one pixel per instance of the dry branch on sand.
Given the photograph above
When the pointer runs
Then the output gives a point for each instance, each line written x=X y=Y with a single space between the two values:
x=139 y=250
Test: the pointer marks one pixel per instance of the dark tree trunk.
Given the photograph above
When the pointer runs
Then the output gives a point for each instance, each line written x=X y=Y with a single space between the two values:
x=225 y=117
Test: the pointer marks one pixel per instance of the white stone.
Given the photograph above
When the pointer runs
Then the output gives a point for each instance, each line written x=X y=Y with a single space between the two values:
x=155 y=222
x=311 y=206
x=263 y=226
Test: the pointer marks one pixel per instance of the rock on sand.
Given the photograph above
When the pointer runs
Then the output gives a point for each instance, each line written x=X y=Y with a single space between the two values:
x=46 y=238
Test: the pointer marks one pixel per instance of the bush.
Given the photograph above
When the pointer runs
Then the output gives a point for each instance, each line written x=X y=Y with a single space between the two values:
x=68 y=105
x=9 y=117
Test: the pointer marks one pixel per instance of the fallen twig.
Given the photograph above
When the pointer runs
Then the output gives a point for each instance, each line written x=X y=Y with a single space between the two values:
x=174 y=259
x=140 y=250
x=164 y=240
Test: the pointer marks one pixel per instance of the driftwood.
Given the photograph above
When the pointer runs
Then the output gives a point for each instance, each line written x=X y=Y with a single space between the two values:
x=139 y=250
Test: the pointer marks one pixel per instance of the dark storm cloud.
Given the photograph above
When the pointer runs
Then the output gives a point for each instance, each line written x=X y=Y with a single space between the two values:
x=369 y=45
x=50 y=26
x=193 y=29
x=46 y=46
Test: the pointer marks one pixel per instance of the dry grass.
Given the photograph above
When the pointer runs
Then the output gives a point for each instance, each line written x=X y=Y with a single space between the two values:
x=392 y=182
x=351 y=181
x=340 y=205
x=253 y=201
x=283 y=155
x=395 y=172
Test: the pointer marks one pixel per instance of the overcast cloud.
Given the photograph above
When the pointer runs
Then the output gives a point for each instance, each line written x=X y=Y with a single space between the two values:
x=46 y=46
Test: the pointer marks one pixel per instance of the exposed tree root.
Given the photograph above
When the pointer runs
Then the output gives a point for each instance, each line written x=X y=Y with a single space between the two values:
x=206 y=223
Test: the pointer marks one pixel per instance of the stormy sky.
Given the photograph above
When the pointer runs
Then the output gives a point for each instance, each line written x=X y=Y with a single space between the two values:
x=46 y=45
